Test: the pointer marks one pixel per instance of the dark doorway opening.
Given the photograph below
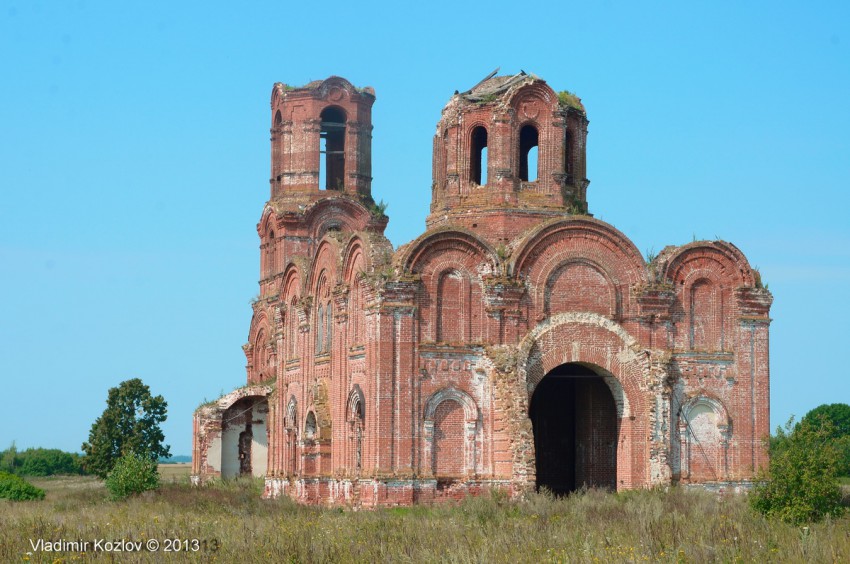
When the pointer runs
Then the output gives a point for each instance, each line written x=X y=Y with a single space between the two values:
x=574 y=418
x=246 y=437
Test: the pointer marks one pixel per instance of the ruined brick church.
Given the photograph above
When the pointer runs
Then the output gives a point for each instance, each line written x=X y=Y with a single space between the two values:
x=517 y=343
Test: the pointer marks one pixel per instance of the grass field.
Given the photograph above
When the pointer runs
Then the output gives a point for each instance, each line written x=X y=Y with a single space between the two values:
x=232 y=524
x=174 y=472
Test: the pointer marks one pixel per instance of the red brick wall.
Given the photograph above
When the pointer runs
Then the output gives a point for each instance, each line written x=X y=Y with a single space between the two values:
x=579 y=286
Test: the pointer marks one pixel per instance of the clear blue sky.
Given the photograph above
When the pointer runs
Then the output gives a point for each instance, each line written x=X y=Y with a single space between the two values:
x=134 y=164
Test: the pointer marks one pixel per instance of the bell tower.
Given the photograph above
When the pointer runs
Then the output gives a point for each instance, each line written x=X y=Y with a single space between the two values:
x=321 y=139
x=510 y=151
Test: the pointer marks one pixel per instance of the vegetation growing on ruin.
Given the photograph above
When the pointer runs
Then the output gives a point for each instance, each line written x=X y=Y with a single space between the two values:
x=378 y=209
x=570 y=100
x=270 y=382
x=487 y=99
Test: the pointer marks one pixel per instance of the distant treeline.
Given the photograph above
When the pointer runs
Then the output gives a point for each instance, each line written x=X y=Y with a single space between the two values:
x=179 y=459
x=40 y=462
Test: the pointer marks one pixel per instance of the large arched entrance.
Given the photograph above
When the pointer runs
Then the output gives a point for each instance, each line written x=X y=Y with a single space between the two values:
x=574 y=418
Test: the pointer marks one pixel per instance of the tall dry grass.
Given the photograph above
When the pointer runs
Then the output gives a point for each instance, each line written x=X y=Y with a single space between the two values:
x=593 y=526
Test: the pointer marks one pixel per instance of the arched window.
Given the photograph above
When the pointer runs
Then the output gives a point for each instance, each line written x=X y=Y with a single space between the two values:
x=310 y=426
x=356 y=417
x=291 y=414
x=291 y=423
x=568 y=153
x=332 y=146
x=270 y=252
x=328 y=327
x=323 y=314
x=358 y=438
x=261 y=357
x=276 y=130
x=445 y=151
x=528 y=139
x=356 y=315
x=478 y=156
x=292 y=329
x=320 y=330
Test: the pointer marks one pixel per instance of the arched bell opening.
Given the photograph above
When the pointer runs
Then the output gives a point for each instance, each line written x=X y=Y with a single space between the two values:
x=332 y=149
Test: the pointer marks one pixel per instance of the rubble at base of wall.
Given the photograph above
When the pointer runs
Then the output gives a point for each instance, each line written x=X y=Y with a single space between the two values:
x=741 y=487
x=372 y=493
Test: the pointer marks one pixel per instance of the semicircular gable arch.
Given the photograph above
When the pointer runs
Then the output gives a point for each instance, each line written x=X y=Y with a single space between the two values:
x=701 y=258
x=600 y=291
x=426 y=246
x=337 y=82
x=623 y=258
x=337 y=214
x=537 y=90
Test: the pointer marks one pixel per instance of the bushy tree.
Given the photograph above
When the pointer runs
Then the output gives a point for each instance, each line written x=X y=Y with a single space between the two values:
x=130 y=423
x=801 y=483
x=9 y=459
x=133 y=473
x=838 y=414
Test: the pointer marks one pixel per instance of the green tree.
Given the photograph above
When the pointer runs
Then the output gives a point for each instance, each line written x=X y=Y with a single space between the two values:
x=9 y=459
x=801 y=482
x=130 y=423
x=838 y=414
x=132 y=474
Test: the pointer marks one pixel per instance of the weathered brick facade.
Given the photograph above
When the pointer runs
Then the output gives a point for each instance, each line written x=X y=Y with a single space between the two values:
x=517 y=342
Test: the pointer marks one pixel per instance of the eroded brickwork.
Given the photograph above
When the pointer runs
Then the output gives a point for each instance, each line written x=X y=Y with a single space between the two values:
x=517 y=343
